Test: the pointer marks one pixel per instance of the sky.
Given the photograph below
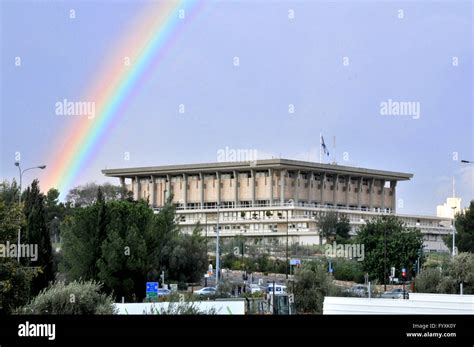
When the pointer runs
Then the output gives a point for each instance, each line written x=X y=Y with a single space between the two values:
x=265 y=76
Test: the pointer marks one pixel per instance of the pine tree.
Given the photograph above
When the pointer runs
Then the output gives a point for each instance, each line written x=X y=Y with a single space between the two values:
x=36 y=233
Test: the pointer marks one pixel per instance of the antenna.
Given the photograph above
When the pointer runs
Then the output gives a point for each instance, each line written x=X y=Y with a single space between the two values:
x=454 y=188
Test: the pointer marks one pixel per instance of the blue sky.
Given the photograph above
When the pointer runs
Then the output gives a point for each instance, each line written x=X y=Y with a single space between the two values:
x=283 y=61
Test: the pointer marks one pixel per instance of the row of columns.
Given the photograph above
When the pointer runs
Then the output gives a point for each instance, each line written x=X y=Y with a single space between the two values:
x=283 y=174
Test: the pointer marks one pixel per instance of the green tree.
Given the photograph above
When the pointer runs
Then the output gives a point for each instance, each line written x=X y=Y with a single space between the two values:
x=312 y=284
x=334 y=226
x=86 y=195
x=123 y=262
x=389 y=243
x=464 y=223
x=9 y=192
x=36 y=233
x=15 y=279
x=123 y=244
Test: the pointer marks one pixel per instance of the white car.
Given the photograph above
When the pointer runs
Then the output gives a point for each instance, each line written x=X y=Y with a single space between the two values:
x=255 y=288
x=206 y=291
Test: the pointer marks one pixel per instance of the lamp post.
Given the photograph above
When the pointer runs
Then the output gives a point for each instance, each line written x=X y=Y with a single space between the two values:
x=454 y=230
x=217 y=247
x=385 y=260
x=286 y=267
x=17 y=164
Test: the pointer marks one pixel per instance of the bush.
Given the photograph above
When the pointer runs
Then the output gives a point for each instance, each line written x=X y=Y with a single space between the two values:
x=77 y=297
x=428 y=280
x=348 y=270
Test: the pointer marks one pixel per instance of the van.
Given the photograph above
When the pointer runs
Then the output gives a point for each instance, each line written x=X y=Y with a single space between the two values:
x=279 y=289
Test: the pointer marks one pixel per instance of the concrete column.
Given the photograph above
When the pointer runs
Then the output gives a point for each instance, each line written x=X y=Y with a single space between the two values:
x=218 y=178
x=393 y=185
x=348 y=186
x=371 y=191
x=382 y=183
x=236 y=188
x=310 y=182
x=336 y=183
x=185 y=190
x=322 y=179
x=252 y=188
x=282 y=186
x=136 y=187
x=297 y=182
x=201 y=189
x=122 y=185
x=359 y=191
x=270 y=175
x=168 y=187
x=151 y=189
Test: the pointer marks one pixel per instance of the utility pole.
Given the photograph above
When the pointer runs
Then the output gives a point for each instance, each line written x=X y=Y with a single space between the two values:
x=385 y=260
x=286 y=267
x=217 y=247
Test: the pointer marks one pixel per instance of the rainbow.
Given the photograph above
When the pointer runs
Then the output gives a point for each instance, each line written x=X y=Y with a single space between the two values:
x=147 y=41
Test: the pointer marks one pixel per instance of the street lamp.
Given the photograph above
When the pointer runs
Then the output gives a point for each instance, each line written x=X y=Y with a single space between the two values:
x=17 y=164
x=217 y=247
x=467 y=161
x=454 y=229
x=287 y=226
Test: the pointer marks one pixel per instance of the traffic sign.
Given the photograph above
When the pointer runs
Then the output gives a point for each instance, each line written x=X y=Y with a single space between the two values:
x=151 y=289
x=295 y=261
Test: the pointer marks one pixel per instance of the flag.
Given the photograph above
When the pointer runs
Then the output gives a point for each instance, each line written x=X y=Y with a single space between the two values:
x=324 y=146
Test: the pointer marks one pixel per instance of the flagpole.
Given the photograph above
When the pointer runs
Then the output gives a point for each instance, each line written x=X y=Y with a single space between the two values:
x=320 y=148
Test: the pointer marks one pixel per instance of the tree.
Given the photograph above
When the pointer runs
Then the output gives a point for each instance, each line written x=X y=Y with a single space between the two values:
x=333 y=226
x=389 y=243
x=73 y=298
x=312 y=284
x=464 y=223
x=123 y=262
x=86 y=195
x=36 y=234
x=447 y=278
x=9 y=192
x=123 y=244
x=15 y=279
x=428 y=280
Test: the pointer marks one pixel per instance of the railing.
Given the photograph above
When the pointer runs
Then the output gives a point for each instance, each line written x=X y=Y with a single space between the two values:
x=281 y=205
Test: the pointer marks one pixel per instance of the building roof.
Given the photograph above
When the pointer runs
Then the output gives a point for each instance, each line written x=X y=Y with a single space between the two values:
x=257 y=165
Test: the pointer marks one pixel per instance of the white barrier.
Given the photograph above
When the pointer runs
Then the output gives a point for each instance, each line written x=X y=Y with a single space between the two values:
x=220 y=307
x=418 y=303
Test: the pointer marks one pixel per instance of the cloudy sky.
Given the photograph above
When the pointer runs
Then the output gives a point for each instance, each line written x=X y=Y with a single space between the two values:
x=268 y=76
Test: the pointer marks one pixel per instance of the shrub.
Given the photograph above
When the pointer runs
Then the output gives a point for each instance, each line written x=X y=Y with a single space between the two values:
x=348 y=270
x=77 y=297
x=428 y=280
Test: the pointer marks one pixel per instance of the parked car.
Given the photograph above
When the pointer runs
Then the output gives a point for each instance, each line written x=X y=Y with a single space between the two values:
x=163 y=292
x=206 y=291
x=255 y=288
x=279 y=289
x=396 y=293
x=359 y=290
